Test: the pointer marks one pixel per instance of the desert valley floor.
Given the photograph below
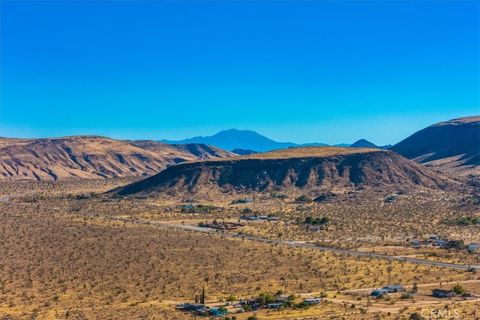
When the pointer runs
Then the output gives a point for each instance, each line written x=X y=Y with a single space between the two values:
x=71 y=251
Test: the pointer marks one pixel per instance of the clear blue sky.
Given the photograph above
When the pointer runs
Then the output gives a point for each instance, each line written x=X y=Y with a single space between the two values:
x=298 y=71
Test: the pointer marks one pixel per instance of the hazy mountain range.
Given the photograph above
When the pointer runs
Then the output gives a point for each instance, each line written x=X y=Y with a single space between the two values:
x=246 y=140
x=452 y=146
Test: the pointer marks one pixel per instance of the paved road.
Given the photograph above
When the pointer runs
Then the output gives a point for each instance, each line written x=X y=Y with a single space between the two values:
x=297 y=244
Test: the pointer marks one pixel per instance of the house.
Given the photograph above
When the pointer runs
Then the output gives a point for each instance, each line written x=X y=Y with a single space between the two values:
x=391 y=288
x=433 y=237
x=217 y=312
x=282 y=297
x=195 y=307
x=276 y=305
x=273 y=218
x=252 y=303
x=473 y=247
x=311 y=301
x=416 y=243
x=249 y=218
x=442 y=243
x=441 y=293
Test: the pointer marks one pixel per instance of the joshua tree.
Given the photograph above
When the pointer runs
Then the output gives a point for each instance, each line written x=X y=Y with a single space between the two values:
x=202 y=295
x=389 y=270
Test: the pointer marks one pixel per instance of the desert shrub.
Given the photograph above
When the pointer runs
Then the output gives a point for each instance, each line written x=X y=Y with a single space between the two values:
x=278 y=195
x=406 y=295
x=463 y=221
x=303 y=199
x=458 y=289
x=266 y=298
x=316 y=221
x=416 y=316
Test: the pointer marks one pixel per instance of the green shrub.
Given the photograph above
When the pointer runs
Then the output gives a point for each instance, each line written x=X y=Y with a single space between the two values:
x=458 y=289
x=303 y=199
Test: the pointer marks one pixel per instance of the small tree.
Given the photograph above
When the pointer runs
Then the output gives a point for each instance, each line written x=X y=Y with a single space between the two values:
x=458 y=289
x=266 y=298
x=303 y=198
x=389 y=270
x=416 y=316
x=231 y=298
x=415 y=288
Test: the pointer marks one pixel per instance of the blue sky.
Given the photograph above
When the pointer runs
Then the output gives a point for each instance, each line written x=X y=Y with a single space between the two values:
x=298 y=71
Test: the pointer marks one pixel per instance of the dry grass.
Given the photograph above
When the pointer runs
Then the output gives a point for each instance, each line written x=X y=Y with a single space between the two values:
x=307 y=152
x=62 y=255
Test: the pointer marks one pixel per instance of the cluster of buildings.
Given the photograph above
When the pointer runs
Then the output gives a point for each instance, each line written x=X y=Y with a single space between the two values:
x=261 y=302
x=394 y=288
x=445 y=243
x=276 y=302
x=391 y=288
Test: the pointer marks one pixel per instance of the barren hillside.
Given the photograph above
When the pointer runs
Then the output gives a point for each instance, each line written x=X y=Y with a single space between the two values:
x=92 y=157
x=312 y=168
x=453 y=146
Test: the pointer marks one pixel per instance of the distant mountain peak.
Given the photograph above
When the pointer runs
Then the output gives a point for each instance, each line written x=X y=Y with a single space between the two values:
x=363 y=143
x=234 y=130
x=231 y=139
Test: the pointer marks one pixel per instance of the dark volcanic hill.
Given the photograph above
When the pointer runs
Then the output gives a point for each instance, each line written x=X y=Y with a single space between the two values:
x=312 y=168
x=452 y=145
x=92 y=157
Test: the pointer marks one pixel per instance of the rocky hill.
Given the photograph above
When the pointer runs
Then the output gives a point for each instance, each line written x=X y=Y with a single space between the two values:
x=452 y=146
x=192 y=151
x=312 y=168
x=92 y=157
